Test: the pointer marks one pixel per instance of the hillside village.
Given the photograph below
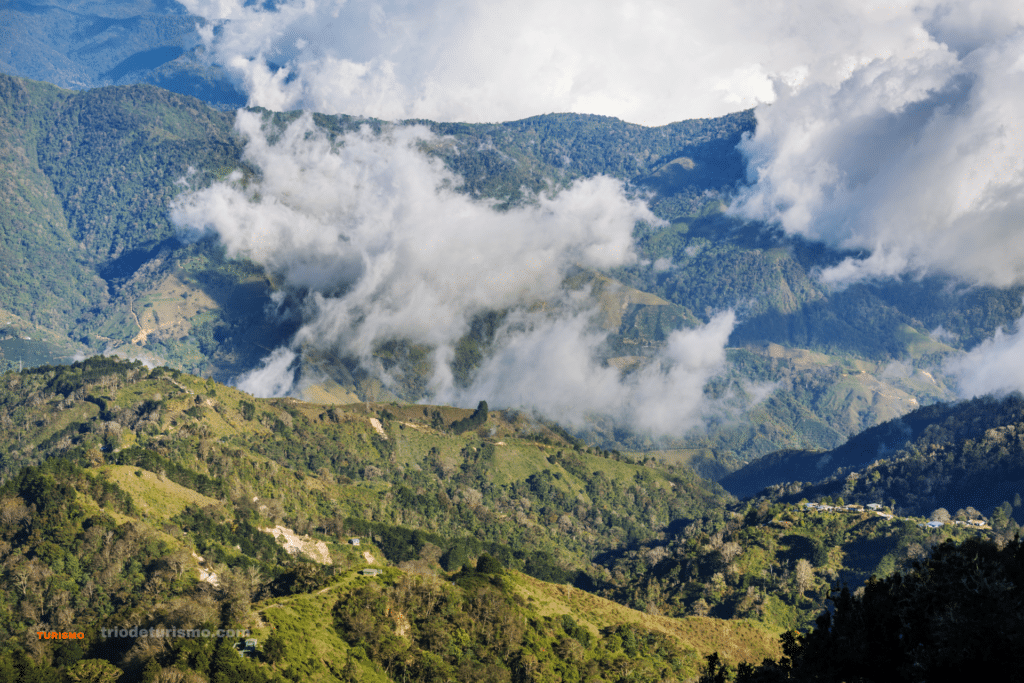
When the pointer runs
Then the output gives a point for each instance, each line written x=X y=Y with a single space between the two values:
x=879 y=510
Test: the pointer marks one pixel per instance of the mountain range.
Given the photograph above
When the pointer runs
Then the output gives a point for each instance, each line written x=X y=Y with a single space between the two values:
x=745 y=438
x=97 y=266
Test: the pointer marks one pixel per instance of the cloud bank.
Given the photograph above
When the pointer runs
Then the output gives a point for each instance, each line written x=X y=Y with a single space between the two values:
x=892 y=129
x=553 y=368
x=369 y=234
x=647 y=61
x=992 y=367
x=915 y=159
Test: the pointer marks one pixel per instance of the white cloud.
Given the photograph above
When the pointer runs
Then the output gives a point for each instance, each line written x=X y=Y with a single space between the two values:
x=894 y=129
x=371 y=217
x=916 y=159
x=663 y=264
x=992 y=367
x=941 y=334
x=550 y=364
x=369 y=234
x=273 y=378
x=646 y=61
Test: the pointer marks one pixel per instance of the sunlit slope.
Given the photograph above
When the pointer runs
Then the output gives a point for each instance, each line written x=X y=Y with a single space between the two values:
x=188 y=475
x=549 y=630
x=521 y=484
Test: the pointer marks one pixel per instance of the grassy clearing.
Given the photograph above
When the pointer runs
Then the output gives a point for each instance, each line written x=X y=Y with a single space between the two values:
x=919 y=344
x=155 y=498
x=314 y=651
x=415 y=444
x=673 y=456
x=173 y=307
x=119 y=323
x=866 y=401
x=612 y=296
x=736 y=640
x=328 y=393
x=81 y=412
x=516 y=463
x=92 y=507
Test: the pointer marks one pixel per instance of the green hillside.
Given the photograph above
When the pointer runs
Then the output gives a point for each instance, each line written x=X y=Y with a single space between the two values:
x=776 y=563
x=164 y=485
x=35 y=285
x=176 y=490
x=966 y=459
x=509 y=480
x=953 y=421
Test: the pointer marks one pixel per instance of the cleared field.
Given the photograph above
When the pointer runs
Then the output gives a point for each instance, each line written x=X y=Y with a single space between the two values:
x=306 y=624
x=171 y=308
x=735 y=640
x=155 y=497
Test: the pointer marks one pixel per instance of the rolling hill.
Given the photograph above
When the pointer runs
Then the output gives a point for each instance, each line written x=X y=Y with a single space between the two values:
x=172 y=488
x=506 y=544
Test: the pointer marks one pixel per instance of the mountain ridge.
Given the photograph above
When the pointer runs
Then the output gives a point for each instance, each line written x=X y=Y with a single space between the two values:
x=151 y=296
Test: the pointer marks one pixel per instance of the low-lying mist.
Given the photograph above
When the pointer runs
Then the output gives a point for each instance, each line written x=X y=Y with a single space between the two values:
x=372 y=242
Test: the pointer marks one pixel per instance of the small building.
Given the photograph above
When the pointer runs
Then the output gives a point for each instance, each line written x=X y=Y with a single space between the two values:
x=353 y=541
x=935 y=524
x=369 y=572
x=874 y=506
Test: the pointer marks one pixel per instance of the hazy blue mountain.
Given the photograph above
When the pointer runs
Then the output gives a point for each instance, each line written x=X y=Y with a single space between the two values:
x=82 y=44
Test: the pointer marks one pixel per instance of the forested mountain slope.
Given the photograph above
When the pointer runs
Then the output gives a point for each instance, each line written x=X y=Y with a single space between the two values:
x=885 y=498
x=97 y=266
x=162 y=482
x=956 y=457
x=503 y=478
x=967 y=419
x=85 y=44
x=153 y=498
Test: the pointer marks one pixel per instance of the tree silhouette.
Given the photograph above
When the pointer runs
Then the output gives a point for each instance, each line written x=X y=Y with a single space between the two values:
x=957 y=615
